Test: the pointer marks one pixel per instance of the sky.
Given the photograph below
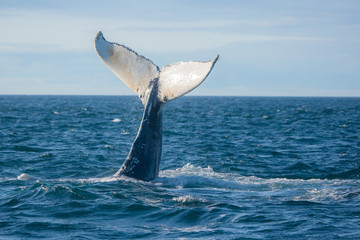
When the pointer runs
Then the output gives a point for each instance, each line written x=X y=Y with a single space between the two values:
x=266 y=48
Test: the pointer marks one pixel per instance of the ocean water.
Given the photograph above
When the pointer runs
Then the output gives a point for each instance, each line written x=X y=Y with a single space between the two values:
x=232 y=168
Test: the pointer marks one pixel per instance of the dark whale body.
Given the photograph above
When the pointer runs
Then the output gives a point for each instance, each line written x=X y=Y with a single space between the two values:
x=143 y=161
x=154 y=88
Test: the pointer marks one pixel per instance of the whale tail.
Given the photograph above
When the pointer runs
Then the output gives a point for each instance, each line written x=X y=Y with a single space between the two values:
x=138 y=72
x=154 y=88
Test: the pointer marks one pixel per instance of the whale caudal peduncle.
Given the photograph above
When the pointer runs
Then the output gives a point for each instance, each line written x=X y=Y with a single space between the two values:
x=143 y=161
x=154 y=88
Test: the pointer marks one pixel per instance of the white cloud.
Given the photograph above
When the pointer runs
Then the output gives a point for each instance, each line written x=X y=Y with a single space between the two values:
x=33 y=31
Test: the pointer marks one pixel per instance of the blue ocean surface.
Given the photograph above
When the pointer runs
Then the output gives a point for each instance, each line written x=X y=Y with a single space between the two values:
x=232 y=168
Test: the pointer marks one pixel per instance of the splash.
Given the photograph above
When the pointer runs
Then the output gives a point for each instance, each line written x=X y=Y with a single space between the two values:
x=191 y=177
x=188 y=199
x=191 y=170
x=25 y=177
x=312 y=190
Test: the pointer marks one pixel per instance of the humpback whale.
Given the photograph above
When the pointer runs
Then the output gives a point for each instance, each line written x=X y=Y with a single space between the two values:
x=154 y=87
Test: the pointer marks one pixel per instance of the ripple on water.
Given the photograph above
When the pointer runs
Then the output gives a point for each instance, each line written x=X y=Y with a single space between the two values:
x=252 y=168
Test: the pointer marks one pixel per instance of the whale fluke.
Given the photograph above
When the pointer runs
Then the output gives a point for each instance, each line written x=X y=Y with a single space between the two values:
x=137 y=71
x=177 y=79
x=154 y=88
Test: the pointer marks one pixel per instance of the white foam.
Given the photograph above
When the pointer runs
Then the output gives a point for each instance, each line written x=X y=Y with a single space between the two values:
x=187 y=199
x=190 y=170
x=102 y=180
x=25 y=177
x=90 y=180
x=116 y=120
x=189 y=178
x=313 y=190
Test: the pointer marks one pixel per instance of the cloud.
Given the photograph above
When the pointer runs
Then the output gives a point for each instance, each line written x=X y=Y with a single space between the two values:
x=46 y=31
x=29 y=47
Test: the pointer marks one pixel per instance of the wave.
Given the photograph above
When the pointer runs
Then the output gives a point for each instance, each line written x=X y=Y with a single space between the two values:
x=351 y=174
x=206 y=177
x=184 y=183
x=189 y=170
x=28 y=149
x=311 y=190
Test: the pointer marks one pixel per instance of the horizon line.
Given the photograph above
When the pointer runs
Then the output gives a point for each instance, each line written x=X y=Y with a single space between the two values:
x=131 y=95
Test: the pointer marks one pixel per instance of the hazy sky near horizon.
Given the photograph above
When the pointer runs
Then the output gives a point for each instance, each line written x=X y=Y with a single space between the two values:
x=267 y=48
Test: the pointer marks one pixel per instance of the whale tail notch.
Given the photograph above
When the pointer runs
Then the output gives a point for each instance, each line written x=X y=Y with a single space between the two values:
x=138 y=72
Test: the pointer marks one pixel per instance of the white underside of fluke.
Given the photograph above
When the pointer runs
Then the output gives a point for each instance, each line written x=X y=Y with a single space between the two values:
x=137 y=72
